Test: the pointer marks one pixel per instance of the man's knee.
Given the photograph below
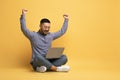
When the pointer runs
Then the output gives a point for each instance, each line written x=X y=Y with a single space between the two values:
x=64 y=58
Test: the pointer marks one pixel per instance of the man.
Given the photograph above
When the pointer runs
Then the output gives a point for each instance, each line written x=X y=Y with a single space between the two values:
x=41 y=42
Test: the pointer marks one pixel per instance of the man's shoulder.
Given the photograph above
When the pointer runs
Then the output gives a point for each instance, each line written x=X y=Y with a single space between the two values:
x=34 y=33
x=51 y=33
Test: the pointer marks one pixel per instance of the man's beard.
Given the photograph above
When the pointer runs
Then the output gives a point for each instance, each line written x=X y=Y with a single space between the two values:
x=45 y=32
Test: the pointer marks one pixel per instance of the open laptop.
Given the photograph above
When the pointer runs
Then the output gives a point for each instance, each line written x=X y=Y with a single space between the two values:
x=54 y=53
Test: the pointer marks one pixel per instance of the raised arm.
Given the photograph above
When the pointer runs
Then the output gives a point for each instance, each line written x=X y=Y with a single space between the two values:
x=63 y=29
x=24 y=29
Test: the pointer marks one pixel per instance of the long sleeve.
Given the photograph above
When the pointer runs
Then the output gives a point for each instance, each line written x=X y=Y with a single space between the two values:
x=24 y=29
x=61 y=31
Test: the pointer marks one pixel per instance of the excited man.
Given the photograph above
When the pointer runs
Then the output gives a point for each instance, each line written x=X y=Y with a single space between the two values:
x=41 y=42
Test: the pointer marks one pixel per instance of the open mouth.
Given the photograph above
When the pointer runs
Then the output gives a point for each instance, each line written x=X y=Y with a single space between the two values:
x=46 y=31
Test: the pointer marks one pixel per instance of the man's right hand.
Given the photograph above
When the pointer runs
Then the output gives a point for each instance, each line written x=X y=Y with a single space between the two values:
x=24 y=11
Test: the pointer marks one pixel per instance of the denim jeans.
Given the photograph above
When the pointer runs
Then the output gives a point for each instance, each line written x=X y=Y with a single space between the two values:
x=41 y=60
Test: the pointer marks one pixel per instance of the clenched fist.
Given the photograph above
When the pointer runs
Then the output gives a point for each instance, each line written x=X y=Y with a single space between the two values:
x=24 y=11
x=65 y=16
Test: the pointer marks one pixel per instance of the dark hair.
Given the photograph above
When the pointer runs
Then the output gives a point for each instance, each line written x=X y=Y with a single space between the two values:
x=44 y=20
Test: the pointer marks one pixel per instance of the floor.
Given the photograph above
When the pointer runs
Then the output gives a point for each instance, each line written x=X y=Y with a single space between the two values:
x=83 y=69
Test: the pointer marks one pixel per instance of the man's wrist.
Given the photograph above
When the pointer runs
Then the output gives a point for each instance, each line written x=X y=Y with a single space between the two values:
x=66 y=19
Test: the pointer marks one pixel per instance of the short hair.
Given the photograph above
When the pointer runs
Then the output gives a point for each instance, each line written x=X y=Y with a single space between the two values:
x=44 y=20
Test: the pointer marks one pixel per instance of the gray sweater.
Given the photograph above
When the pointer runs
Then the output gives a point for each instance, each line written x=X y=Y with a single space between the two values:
x=41 y=43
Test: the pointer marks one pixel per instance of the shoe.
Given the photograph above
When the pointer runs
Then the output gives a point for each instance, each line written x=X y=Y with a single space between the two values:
x=63 y=69
x=41 y=69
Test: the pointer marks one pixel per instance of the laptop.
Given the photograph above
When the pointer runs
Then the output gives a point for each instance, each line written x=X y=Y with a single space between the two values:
x=54 y=53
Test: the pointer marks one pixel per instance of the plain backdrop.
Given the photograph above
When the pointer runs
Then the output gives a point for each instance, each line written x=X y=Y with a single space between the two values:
x=92 y=38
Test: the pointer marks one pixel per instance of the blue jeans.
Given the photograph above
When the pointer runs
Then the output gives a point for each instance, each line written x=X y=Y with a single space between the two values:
x=40 y=60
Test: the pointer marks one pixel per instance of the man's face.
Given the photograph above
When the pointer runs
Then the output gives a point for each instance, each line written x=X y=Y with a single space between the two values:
x=45 y=27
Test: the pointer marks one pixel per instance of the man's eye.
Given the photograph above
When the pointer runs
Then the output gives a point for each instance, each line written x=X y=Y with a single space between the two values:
x=47 y=27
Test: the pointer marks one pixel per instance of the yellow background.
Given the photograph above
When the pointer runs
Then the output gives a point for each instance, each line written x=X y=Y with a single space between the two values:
x=92 y=42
